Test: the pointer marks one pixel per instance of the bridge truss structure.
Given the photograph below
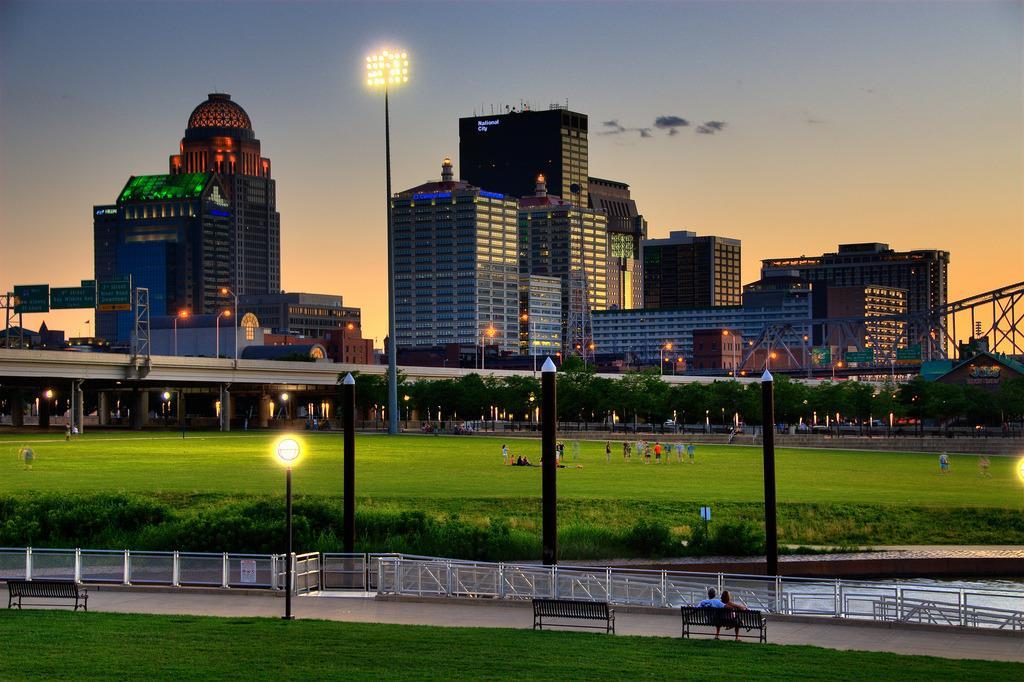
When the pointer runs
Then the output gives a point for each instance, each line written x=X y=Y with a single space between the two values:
x=996 y=315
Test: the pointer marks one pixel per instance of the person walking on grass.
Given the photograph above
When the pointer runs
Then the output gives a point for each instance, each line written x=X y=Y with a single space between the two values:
x=26 y=455
x=625 y=450
x=504 y=454
x=943 y=463
x=691 y=450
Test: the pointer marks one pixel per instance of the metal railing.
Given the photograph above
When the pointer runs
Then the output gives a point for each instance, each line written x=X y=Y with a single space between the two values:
x=897 y=602
x=405 y=574
x=127 y=567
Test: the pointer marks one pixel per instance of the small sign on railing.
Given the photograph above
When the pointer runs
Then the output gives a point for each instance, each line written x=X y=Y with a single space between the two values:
x=248 y=571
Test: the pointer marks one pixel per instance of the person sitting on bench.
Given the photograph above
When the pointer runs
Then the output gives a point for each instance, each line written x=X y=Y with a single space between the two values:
x=713 y=602
x=732 y=606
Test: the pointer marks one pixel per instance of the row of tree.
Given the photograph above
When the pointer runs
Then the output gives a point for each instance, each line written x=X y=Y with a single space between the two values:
x=644 y=398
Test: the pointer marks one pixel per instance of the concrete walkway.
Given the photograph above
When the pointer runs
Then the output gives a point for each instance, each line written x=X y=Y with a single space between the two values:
x=946 y=643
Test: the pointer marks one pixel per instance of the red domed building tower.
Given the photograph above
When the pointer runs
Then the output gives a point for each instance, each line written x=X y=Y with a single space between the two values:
x=220 y=139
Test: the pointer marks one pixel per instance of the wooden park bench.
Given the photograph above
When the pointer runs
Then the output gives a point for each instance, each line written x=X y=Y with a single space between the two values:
x=726 y=619
x=566 y=609
x=46 y=589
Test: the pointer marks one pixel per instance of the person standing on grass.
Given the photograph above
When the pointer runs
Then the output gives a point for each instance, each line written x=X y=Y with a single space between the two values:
x=679 y=452
x=691 y=450
x=983 y=466
x=504 y=454
x=27 y=456
x=575 y=450
x=625 y=450
x=640 y=451
x=943 y=463
x=608 y=451
x=657 y=452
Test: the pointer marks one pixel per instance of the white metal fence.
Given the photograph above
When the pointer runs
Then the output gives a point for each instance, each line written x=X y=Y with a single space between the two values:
x=902 y=602
x=405 y=574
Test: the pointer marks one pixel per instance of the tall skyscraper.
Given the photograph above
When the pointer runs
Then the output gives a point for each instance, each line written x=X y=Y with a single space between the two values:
x=456 y=266
x=505 y=152
x=220 y=139
x=626 y=231
x=688 y=271
x=559 y=239
x=923 y=273
x=170 y=234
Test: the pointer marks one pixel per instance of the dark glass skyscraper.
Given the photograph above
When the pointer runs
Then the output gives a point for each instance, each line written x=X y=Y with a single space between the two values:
x=691 y=271
x=169 y=234
x=506 y=152
x=220 y=139
x=626 y=230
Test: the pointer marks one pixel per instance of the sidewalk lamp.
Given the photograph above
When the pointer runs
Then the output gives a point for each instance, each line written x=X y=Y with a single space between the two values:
x=287 y=453
x=385 y=69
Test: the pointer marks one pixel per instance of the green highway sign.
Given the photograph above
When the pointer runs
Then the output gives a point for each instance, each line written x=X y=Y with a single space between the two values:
x=114 y=294
x=74 y=297
x=861 y=355
x=821 y=356
x=909 y=354
x=32 y=298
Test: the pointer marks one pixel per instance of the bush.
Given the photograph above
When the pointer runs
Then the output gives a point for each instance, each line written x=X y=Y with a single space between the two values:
x=649 y=539
x=730 y=538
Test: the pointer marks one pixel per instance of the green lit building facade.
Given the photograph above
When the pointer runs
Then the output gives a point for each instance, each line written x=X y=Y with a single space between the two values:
x=171 y=234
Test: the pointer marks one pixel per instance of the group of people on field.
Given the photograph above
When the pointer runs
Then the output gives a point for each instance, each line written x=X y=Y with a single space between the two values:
x=644 y=450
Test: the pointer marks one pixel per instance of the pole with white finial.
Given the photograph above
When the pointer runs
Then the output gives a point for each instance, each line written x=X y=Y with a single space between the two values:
x=549 y=435
x=348 y=424
x=771 y=544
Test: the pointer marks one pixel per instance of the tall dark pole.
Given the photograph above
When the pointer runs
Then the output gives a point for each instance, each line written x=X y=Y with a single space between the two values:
x=288 y=559
x=549 y=429
x=348 y=409
x=771 y=544
x=392 y=349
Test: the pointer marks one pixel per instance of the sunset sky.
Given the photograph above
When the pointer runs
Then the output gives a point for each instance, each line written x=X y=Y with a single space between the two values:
x=844 y=122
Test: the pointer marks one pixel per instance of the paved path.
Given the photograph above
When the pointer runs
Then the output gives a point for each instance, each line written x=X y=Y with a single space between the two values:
x=365 y=609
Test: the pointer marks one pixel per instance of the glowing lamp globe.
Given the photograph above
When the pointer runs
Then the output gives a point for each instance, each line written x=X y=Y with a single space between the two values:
x=288 y=450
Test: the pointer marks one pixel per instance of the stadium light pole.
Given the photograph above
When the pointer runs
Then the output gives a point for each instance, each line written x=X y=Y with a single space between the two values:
x=771 y=544
x=383 y=70
x=287 y=452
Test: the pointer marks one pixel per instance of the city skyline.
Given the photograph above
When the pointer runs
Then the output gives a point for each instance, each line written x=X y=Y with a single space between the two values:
x=806 y=125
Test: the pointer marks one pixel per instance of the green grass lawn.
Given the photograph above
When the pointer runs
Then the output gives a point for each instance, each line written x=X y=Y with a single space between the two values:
x=64 y=645
x=471 y=467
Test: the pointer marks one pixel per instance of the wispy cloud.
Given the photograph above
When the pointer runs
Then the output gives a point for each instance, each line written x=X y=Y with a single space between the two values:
x=613 y=127
x=711 y=127
x=671 y=123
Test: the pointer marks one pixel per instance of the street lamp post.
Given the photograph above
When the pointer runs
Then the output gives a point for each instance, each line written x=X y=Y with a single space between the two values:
x=182 y=315
x=488 y=333
x=227 y=292
x=666 y=346
x=384 y=69
x=216 y=325
x=287 y=453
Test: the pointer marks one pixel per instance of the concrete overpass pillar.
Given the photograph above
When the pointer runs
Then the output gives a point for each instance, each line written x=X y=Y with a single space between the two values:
x=44 y=411
x=264 y=417
x=225 y=408
x=140 y=408
x=103 y=408
x=17 y=409
x=78 y=405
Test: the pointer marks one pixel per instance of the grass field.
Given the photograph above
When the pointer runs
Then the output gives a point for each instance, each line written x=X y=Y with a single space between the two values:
x=214 y=490
x=63 y=645
x=471 y=467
